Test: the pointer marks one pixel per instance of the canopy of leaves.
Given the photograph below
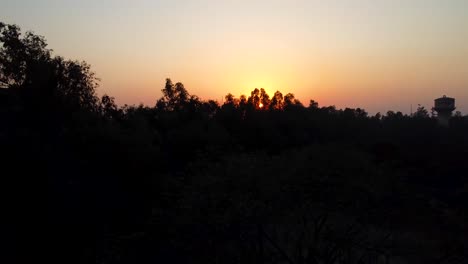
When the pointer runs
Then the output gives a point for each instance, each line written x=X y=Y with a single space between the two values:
x=258 y=179
x=28 y=68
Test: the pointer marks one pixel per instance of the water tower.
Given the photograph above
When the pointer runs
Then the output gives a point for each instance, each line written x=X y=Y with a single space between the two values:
x=444 y=107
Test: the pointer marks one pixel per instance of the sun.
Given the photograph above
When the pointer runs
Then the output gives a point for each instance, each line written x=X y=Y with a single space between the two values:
x=260 y=105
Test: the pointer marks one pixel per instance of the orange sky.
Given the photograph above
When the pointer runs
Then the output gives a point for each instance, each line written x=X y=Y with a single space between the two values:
x=374 y=54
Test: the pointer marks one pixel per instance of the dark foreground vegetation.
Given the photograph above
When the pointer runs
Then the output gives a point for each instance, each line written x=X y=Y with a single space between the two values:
x=257 y=179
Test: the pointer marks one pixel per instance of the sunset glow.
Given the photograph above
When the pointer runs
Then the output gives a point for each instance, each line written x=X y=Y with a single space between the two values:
x=246 y=131
x=343 y=53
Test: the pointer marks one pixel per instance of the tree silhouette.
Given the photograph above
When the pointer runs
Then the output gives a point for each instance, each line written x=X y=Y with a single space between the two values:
x=264 y=99
x=229 y=99
x=110 y=110
x=174 y=97
x=254 y=99
x=313 y=104
x=28 y=68
x=192 y=181
x=277 y=101
x=421 y=112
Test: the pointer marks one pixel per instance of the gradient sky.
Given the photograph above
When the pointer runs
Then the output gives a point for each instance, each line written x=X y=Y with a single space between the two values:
x=375 y=54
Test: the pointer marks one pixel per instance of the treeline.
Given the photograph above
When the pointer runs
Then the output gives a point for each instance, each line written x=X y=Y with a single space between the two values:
x=257 y=179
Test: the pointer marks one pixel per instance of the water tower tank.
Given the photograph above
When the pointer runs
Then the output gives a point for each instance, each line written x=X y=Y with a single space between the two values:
x=444 y=107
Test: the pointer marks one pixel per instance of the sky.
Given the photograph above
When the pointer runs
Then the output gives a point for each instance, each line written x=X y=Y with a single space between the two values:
x=374 y=54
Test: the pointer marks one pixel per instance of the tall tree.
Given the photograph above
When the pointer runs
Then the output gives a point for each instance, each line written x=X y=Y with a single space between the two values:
x=41 y=80
x=277 y=101
x=264 y=99
x=175 y=97
x=254 y=98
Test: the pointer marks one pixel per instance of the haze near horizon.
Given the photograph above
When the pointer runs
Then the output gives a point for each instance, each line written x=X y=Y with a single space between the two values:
x=378 y=55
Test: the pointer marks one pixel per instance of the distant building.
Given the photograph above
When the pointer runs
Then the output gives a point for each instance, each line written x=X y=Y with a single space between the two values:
x=444 y=107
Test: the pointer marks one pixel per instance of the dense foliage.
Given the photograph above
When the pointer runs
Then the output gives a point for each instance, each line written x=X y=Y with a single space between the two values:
x=258 y=179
